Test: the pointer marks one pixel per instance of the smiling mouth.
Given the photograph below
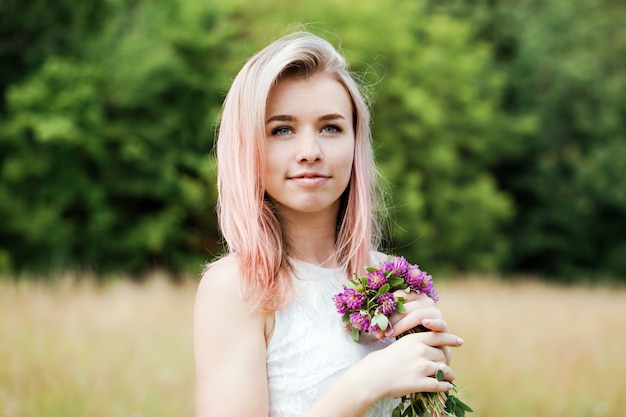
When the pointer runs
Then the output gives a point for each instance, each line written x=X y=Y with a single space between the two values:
x=309 y=180
x=308 y=176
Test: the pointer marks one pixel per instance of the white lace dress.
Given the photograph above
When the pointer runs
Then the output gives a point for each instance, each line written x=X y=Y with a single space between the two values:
x=310 y=348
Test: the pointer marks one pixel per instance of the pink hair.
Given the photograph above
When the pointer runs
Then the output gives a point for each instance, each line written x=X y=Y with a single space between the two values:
x=248 y=224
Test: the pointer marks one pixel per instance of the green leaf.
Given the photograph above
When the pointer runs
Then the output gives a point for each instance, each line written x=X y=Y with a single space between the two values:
x=450 y=405
x=381 y=321
x=400 y=307
x=394 y=282
x=463 y=406
x=355 y=334
x=456 y=407
x=382 y=290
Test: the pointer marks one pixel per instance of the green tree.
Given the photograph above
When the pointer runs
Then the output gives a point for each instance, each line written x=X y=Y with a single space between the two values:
x=438 y=120
x=105 y=151
x=565 y=70
x=31 y=30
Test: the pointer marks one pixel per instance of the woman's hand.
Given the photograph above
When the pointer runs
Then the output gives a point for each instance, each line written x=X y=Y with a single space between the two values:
x=409 y=365
x=421 y=310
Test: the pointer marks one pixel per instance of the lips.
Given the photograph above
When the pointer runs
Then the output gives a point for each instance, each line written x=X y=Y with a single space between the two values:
x=309 y=179
x=308 y=175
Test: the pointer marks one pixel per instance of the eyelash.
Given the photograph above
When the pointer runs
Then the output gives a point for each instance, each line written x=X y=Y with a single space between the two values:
x=336 y=128
x=276 y=131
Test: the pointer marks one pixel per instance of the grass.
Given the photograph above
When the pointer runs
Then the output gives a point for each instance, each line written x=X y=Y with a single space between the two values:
x=83 y=350
x=75 y=348
x=537 y=350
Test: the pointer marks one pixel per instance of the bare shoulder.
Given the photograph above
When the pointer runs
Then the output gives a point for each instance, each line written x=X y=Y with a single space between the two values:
x=221 y=279
x=219 y=292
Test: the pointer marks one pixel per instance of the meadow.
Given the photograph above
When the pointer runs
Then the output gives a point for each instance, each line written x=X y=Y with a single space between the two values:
x=77 y=348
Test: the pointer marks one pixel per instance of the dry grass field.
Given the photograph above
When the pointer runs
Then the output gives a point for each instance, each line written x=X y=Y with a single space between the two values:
x=86 y=351
x=123 y=349
x=537 y=350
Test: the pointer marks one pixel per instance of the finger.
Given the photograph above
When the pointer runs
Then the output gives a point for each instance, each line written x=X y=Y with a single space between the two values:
x=439 y=339
x=447 y=353
x=432 y=385
x=403 y=322
x=415 y=300
x=442 y=372
x=371 y=336
x=436 y=357
x=380 y=334
x=435 y=325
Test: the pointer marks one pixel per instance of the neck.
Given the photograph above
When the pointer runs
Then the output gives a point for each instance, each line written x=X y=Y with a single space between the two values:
x=311 y=237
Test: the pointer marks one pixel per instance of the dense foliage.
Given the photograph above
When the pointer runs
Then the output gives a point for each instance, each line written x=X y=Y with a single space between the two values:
x=565 y=68
x=499 y=125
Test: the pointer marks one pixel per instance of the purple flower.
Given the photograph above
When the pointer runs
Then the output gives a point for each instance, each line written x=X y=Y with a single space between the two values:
x=415 y=278
x=360 y=320
x=368 y=301
x=429 y=289
x=376 y=279
x=398 y=266
x=340 y=305
x=419 y=281
x=349 y=299
x=386 y=303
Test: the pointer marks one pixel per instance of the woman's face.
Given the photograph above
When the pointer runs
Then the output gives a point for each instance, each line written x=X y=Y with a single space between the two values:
x=310 y=144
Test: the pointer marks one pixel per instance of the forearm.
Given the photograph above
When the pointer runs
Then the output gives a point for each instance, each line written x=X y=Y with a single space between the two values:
x=350 y=396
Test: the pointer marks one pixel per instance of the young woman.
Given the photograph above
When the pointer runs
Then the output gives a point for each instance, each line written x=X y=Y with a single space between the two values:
x=297 y=187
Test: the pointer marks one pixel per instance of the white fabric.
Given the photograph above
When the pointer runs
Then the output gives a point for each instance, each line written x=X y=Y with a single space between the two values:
x=310 y=347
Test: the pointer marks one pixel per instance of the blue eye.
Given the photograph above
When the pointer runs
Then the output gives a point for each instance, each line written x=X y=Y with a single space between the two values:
x=331 y=129
x=281 y=131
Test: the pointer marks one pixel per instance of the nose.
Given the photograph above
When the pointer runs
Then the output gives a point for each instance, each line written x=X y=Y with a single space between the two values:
x=309 y=149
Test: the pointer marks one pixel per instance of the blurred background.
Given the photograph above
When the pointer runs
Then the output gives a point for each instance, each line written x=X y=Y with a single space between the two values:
x=500 y=126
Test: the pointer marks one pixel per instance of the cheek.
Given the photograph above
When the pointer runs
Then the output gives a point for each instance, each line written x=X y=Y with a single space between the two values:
x=273 y=160
x=346 y=161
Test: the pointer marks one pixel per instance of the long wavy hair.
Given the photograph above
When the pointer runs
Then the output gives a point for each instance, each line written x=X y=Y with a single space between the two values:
x=249 y=225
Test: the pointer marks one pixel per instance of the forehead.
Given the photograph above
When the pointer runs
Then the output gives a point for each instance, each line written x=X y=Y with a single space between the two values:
x=318 y=94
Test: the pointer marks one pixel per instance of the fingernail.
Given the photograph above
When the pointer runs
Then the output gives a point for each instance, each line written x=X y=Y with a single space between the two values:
x=389 y=332
x=459 y=340
x=449 y=386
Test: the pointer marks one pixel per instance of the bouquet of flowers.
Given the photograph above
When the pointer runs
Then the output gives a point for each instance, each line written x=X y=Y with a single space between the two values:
x=366 y=304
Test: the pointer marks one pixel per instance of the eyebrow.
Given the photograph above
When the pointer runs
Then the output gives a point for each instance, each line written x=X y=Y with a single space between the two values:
x=287 y=118
x=280 y=118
